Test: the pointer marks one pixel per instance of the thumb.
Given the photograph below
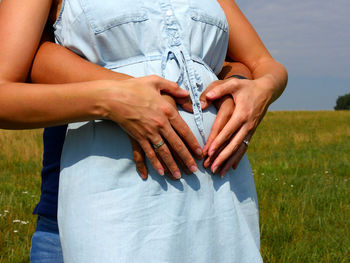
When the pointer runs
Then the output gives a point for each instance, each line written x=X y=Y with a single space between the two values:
x=170 y=87
x=185 y=103
x=226 y=88
x=203 y=98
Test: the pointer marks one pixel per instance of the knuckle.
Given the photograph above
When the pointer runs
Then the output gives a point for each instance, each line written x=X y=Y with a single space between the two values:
x=168 y=110
x=154 y=80
x=243 y=117
x=162 y=151
x=137 y=158
x=189 y=162
x=154 y=77
x=151 y=155
x=160 y=123
x=148 y=132
x=250 y=111
x=173 y=168
x=233 y=82
x=250 y=126
x=178 y=146
x=156 y=123
x=138 y=137
x=168 y=159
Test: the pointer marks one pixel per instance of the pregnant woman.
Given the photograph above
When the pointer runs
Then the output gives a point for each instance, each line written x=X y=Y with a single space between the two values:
x=106 y=213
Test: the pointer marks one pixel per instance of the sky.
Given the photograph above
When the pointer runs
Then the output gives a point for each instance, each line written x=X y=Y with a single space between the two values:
x=312 y=40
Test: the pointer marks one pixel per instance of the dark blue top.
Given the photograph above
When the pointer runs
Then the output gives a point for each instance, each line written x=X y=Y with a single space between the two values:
x=53 y=143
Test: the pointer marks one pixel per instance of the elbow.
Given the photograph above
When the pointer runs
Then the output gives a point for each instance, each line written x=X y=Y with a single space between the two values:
x=284 y=73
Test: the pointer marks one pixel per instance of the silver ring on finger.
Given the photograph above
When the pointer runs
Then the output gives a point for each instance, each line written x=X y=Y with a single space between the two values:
x=246 y=142
x=157 y=145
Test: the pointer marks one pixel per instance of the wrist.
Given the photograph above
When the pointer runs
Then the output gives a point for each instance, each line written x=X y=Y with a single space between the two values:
x=266 y=86
x=104 y=92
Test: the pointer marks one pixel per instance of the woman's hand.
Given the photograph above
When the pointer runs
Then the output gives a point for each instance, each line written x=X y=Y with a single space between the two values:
x=225 y=107
x=149 y=119
x=139 y=154
x=65 y=70
x=251 y=100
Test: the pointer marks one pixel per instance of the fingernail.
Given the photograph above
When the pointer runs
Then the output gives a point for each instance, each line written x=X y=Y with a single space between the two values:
x=214 y=169
x=199 y=151
x=161 y=172
x=202 y=104
x=207 y=162
x=177 y=175
x=193 y=168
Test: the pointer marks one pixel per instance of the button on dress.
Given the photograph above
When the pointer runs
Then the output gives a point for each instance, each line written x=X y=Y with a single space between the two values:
x=106 y=212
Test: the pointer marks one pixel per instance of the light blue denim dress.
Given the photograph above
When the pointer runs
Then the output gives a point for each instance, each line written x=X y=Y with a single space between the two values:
x=107 y=213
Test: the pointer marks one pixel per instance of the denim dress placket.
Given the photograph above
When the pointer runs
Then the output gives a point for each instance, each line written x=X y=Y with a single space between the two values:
x=188 y=77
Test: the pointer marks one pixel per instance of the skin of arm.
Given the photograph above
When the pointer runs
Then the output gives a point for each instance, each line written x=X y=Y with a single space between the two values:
x=54 y=64
x=251 y=97
x=225 y=106
x=15 y=61
x=127 y=102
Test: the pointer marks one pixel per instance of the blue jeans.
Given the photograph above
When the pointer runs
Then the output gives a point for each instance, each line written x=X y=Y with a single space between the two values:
x=46 y=245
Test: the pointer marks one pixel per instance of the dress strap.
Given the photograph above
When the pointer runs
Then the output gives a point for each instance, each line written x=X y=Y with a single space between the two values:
x=189 y=79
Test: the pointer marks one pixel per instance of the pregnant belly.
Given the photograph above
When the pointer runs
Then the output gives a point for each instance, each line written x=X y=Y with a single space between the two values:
x=103 y=147
x=172 y=72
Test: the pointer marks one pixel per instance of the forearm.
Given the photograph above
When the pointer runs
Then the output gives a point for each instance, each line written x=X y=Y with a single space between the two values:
x=250 y=50
x=55 y=64
x=44 y=105
x=26 y=106
x=135 y=104
x=231 y=68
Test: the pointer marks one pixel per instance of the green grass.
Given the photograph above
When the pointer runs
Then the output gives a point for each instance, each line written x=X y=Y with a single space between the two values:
x=20 y=163
x=301 y=164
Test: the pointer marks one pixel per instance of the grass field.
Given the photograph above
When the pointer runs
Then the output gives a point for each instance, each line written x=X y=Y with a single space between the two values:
x=301 y=164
